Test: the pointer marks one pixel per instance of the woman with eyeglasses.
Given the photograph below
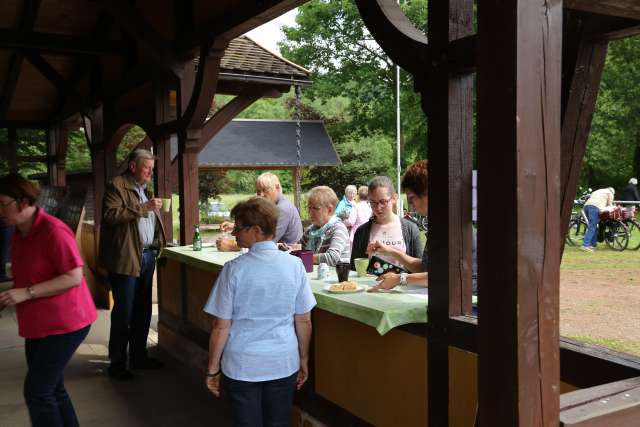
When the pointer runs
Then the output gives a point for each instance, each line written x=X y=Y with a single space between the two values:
x=261 y=329
x=53 y=304
x=327 y=236
x=386 y=235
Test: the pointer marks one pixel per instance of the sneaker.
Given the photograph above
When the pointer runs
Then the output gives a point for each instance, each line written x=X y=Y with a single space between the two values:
x=119 y=374
x=586 y=248
x=148 y=363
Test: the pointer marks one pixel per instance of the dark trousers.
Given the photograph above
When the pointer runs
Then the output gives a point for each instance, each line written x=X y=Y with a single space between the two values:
x=47 y=400
x=131 y=314
x=5 y=247
x=261 y=404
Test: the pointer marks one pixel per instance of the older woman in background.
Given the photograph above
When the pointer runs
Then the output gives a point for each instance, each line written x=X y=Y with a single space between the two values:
x=53 y=304
x=261 y=329
x=347 y=203
x=360 y=214
x=327 y=236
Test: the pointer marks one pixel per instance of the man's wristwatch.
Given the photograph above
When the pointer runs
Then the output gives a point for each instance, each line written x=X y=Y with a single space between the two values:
x=31 y=292
x=403 y=279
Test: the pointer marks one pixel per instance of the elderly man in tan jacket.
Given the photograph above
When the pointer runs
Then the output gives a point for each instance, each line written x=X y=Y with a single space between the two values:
x=131 y=234
x=597 y=202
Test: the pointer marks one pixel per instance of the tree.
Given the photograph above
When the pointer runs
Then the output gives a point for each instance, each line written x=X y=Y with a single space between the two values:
x=331 y=40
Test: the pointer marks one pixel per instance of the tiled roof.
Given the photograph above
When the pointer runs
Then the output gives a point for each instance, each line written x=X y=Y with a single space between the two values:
x=246 y=56
x=268 y=143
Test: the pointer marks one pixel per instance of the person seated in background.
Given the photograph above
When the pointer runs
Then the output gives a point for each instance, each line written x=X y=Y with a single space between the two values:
x=630 y=193
x=261 y=327
x=394 y=239
x=347 y=203
x=289 y=228
x=327 y=236
x=597 y=202
x=360 y=214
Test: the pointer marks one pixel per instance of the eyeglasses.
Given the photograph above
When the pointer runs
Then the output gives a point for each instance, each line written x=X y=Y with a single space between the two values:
x=314 y=208
x=237 y=229
x=382 y=203
x=4 y=205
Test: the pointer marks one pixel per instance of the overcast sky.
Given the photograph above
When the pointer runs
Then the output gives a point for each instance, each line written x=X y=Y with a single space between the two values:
x=269 y=34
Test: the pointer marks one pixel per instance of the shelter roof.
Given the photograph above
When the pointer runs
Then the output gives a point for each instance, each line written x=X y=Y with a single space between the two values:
x=245 y=56
x=268 y=144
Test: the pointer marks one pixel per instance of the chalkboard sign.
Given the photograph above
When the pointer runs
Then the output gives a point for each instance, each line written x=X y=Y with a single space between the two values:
x=64 y=203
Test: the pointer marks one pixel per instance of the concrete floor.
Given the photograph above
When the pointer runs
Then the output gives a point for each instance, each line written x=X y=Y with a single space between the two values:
x=172 y=396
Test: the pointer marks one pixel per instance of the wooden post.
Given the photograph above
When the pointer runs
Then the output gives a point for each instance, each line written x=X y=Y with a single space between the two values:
x=57 y=141
x=188 y=184
x=448 y=107
x=583 y=57
x=162 y=151
x=13 y=149
x=519 y=59
x=98 y=160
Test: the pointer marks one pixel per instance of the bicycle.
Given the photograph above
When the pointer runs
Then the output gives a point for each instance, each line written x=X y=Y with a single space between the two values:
x=611 y=229
x=419 y=220
x=633 y=228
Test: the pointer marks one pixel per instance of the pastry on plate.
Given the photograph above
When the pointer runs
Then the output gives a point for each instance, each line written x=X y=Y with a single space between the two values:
x=344 y=286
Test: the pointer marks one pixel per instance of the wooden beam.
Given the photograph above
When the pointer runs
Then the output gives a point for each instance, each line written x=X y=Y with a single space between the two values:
x=150 y=42
x=519 y=54
x=622 y=8
x=33 y=159
x=583 y=59
x=59 y=44
x=29 y=14
x=51 y=74
x=616 y=404
x=398 y=37
x=449 y=151
x=231 y=25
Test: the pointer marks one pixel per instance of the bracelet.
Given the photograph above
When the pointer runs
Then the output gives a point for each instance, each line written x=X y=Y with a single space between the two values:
x=210 y=375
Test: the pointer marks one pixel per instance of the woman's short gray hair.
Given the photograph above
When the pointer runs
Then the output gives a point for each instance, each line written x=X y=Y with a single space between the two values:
x=382 y=181
x=140 y=154
x=324 y=196
x=350 y=189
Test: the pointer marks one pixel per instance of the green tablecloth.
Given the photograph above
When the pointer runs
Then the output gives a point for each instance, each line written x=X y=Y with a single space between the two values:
x=383 y=311
x=207 y=259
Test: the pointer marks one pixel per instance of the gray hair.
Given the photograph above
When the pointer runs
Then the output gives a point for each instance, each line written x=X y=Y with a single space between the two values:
x=140 y=154
x=350 y=189
x=382 y=181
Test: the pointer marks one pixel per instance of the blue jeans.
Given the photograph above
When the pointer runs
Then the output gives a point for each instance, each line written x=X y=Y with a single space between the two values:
x=131 y=314
x=261 y=404
x=47 y=400
x=593 y=216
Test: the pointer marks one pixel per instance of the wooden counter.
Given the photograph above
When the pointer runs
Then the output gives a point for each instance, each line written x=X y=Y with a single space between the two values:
x=360 y=372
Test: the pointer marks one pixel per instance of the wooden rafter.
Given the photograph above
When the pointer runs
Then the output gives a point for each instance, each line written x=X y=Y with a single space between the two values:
x=58 y=44
x=622 y=8
x=51 y=74
x=150 y=41
x=236 y=23
x=27 y=21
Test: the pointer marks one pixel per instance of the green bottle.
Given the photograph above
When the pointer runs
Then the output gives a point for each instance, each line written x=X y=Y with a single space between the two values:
x=197 y=239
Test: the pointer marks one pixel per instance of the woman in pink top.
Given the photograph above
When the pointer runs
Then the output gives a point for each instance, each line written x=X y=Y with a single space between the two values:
x=53 y=304
x=360 y=214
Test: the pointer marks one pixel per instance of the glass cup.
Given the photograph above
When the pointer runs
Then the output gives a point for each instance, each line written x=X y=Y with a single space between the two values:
x=166 y=205
x=361 y=266
x=342 y=269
